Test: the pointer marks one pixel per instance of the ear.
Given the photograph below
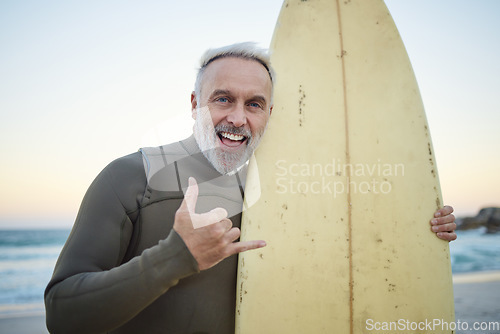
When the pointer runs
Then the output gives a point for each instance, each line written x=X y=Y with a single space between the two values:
x=194 y=104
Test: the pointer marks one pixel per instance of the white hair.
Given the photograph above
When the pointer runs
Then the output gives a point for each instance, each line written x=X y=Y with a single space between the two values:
x=246 y=50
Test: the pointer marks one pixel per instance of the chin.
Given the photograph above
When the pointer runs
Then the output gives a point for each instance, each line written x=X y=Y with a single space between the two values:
x=228 y=163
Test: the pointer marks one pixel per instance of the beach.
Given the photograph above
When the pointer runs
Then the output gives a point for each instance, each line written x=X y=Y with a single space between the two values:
x=23 y=324
x=477 y=303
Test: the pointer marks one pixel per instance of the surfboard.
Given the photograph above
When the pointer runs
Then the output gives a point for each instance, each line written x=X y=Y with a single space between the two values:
x=344 y=184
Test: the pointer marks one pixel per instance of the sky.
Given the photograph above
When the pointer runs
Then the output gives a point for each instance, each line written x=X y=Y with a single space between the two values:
x=83 y=83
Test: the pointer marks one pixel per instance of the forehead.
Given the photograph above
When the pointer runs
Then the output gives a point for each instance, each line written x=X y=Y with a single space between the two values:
x=232 y=73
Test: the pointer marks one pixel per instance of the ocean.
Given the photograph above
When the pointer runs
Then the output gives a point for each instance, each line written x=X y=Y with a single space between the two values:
x=27 y=259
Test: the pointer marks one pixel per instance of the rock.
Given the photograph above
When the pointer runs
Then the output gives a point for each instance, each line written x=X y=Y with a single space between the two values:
x=493 y=223
x=487 y=217
x=468 y=223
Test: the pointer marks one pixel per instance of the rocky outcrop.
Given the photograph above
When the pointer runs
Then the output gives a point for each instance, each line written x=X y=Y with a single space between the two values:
x=487 y=217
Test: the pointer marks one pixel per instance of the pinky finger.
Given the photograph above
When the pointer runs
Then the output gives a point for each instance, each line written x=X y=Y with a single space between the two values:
x=447 y=236
x=243 y=246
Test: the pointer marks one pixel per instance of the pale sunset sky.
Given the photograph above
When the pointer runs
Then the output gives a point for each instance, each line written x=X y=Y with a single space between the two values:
x=85 y=82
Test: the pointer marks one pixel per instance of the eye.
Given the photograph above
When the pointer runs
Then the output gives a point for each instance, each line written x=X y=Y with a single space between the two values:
x=254 y=105
x=222 y=99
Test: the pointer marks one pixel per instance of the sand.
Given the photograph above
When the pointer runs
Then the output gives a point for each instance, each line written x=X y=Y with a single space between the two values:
x=23 y=324
x=477 y=300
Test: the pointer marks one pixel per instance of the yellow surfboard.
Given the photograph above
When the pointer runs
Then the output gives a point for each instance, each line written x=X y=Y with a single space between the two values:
x=346 y=183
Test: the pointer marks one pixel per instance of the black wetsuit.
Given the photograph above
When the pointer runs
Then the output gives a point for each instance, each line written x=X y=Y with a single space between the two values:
x=124 y=270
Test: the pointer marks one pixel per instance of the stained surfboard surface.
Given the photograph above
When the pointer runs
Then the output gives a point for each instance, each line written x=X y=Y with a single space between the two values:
x=344 y=184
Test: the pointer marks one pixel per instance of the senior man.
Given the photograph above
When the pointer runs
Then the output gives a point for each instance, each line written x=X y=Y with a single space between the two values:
x=139 y=259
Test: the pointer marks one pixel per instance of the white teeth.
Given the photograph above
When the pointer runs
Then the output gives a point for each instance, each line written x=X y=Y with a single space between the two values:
x=232 y=136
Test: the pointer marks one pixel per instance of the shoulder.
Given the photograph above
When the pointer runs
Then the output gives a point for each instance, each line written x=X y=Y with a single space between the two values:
x=123 y=178
x=129 y=167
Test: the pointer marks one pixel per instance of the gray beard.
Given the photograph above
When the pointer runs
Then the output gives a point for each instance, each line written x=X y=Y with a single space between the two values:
x=226 y=163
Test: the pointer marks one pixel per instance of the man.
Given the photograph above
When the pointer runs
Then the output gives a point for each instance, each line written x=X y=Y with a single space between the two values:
x=139 y=259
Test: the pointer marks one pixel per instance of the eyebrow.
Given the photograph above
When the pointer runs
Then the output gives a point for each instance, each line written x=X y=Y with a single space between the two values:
x=220 y=92
x=259 y=98
x=216 y=92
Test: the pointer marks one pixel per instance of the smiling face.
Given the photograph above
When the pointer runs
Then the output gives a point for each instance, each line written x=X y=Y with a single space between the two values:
x=232 y=111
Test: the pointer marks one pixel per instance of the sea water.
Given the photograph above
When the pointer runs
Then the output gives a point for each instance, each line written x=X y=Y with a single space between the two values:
x=27 y=259
x=474 y=250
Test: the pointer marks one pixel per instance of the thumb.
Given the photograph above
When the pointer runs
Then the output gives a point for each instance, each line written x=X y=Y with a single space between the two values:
x=191 y=195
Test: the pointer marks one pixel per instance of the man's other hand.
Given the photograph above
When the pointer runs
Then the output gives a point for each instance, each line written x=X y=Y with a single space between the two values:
x=443 y=224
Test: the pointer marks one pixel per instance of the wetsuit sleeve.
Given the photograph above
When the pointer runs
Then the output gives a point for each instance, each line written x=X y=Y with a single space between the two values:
x=90 y=291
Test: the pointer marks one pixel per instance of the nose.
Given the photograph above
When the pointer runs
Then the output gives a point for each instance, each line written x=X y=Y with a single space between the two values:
x=237 y=116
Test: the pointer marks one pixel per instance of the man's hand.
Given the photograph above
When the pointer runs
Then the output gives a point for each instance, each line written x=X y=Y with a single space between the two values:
x=443 y=224
x=209 y=236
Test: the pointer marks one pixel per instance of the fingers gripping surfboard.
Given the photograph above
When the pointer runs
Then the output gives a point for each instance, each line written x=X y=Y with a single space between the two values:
x=348 y=184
